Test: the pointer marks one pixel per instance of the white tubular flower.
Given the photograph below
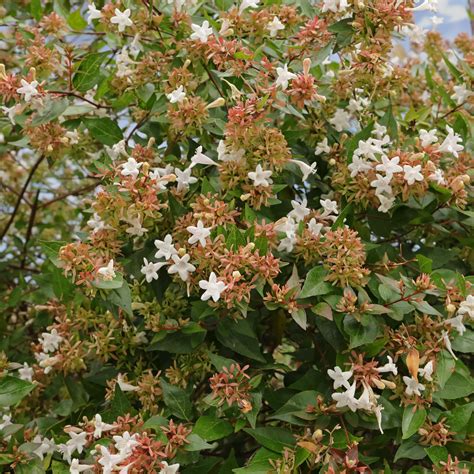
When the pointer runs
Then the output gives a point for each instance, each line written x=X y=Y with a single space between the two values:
x=213 y=288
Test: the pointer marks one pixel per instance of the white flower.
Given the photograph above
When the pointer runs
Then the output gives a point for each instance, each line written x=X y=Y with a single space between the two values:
x=314 y=227
x=283 y=76
x=358 y=165
x=427 y=371
x=199 y=233
x=467 y=306
x=199 y=158
x=388 y=367
x=131 y=168
x=150 y=269
x=382 y=184
x=300 y=211
x=136 y=227
x=461 y=94
x=341 y=120
x=109 y=461
x=201 y=33
x=450 y=143
x=427 y=5
x=341 y=379
x=77 y=442
x=28 y=89
x=260 y=177
x=50 y=340
x=412 y=174
x=447 y=344
x=212 y=287
x=305 y=169
x=437 y=176
x=116 y=150
x=378 y=415
x=169 y=469
x=386 y=202
x=125 y=443
x=122 y=19
x=76 y=468
x=93 y=13
x=178 y=95
x=100 y=426
x=181 y=266
x=107 y=273
x=428 y=137
x=275 y=26
x=322 y=147
x=412 y=386
x=364 y=402
x=330 y=207
x=96 y=223
x=334 y=5
x=346 y=399
x=46 y=446
x=26 y=372
x=389 y=166
x=165 y=248
x=10 y=112
x=248 y=4
x=224 y=155
x=184 y=179
x=125 y=386
x=457 y=323
x=73 y=137
x=379 y=130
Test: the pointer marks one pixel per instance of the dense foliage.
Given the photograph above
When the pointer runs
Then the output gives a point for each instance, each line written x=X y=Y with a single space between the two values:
x=236 y=238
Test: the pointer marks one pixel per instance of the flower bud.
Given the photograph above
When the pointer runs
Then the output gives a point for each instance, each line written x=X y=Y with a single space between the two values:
x=151 y=142
x=32 y=73
x=182 y=252
x=3 y=72
x=186 y=63
x=450 y=308
x=332 y=161
x=318 y=435
x=216 y=103
x=236 y=274
x=306 y=66
x=378 y=383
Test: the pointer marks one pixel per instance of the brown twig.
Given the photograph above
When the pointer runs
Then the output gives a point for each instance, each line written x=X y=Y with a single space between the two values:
x=76 y=192
x=29 y=231
x=22 y=192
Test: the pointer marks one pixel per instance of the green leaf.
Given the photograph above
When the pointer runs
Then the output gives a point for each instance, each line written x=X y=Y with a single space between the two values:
x=388 y=120
x=104 y=130
x=412 y=420
x=88 y=72
x=76 y=22
x=457 y=386
x=196 y=443
x=314 y=284
x=272 y=438
x=177 y=400
x=410 y=450
x=299 y=317
x=13 y=390
x=52 y=109
x=425 y=263
x=117 y=282
x=240 y=337
x=295 y=409
x=361 y=334
x=210 y=428
x=120 y=405
x=437 y=454
x=36 y=10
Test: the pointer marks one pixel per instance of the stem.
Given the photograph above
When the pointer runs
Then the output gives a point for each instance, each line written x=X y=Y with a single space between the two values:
x=20 y=197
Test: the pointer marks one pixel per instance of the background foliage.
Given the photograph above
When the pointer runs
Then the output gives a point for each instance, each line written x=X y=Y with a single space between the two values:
x=325 y=173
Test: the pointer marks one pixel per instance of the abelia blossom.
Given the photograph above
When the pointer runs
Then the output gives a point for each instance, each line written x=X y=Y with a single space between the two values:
x=213 y=288
x=122 y=19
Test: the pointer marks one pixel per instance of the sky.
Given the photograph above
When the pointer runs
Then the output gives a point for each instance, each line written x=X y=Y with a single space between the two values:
x=454 y=14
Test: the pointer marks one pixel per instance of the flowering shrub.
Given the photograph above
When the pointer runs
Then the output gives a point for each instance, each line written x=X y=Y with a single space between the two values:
x=236 y=238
